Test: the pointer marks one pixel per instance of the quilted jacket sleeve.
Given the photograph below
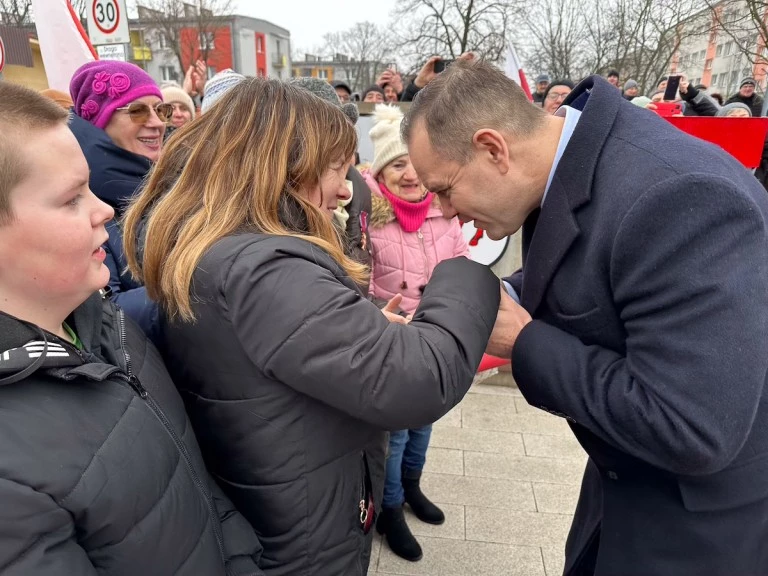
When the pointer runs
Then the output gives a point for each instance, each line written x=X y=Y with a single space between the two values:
x=328 y=342
x=37 y=536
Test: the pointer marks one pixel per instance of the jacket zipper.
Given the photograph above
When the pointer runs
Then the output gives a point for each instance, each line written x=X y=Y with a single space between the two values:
x=424 y=253
x=134 y=382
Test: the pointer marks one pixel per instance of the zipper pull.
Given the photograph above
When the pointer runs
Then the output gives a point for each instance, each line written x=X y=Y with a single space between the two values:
x=363 y=512
x=136 y=385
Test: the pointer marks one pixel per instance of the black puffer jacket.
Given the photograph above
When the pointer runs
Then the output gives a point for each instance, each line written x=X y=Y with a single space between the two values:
x=100 y=472
x=289 y=373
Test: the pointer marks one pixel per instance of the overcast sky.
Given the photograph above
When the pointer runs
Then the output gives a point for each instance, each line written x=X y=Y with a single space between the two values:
x=308 y=20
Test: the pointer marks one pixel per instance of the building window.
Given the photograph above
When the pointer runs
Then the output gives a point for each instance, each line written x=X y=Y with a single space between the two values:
x=708 y=65
x=727 y=49
x=734 y=78
x=260 y=44
x=207 y=41
x=714 y=79
x=322 y=73
x=162 y=41
x=167 y=73
x=719 y=51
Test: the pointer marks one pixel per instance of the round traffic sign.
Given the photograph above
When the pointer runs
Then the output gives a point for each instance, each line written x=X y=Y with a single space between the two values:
x=106 y=15
x=2 y=55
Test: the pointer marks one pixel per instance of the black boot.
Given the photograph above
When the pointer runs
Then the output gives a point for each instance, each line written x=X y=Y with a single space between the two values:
x=391 y=523
x=420 y=504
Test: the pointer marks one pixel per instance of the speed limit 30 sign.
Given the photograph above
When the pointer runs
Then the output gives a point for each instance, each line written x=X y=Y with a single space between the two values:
x=108 y=22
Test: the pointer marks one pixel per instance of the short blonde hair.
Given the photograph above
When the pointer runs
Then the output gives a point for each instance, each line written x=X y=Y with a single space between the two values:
x=469 y=96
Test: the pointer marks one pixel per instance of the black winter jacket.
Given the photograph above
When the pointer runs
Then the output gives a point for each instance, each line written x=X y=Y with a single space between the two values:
x=754 y=102
x=289 y=373
x=699 y=103
x=100 y=472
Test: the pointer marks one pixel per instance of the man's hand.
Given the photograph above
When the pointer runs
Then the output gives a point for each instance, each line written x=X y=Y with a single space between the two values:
x=392 y=78
x=390 y=313
x=200 y=76
x=195 y=78
x=510 y=321
x=427 y=72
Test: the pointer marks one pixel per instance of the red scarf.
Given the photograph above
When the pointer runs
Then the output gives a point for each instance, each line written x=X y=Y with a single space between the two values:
x=411 y=215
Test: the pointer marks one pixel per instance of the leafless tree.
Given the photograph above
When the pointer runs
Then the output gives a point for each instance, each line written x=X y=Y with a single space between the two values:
x=557 y=33
x=188 y=29
x=16 y=12
x=81 y=7
x=20 y=13
x=361 y=53
x=636 y=37
x=450 y=28
x=744 y=22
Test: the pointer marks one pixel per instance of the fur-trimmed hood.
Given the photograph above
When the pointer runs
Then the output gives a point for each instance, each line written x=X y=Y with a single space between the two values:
x=382 y=212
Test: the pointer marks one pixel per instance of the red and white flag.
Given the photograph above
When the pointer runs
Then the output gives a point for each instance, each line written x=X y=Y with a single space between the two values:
x=514 y=70
x=64 y=42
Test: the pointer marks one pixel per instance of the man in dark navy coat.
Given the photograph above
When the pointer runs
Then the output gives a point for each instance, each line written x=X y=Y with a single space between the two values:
x=643 y=315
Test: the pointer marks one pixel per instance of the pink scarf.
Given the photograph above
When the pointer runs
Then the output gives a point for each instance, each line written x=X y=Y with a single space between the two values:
x=411 y=215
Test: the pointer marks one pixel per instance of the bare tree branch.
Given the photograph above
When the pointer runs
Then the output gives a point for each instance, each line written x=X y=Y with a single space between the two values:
x=16 y=12
x=636 y=37
x=361 y=52
x=451 y=28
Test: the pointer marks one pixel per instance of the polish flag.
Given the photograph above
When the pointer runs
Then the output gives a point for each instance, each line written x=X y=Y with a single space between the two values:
x=64 y=43
x=514 y=70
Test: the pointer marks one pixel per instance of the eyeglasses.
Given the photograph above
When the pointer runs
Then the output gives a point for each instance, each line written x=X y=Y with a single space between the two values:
x=140 y=112
x=557 y=95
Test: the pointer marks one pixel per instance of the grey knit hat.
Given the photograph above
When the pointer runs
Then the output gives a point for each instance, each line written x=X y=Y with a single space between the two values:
x=747 y=80
x=733 y=106
x=325 y=91
x=630 y=84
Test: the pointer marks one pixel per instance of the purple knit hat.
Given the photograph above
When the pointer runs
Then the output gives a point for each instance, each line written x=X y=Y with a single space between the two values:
x=99 y=88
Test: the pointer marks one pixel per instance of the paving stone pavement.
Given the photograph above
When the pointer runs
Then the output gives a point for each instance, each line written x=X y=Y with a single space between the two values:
x=507 y=477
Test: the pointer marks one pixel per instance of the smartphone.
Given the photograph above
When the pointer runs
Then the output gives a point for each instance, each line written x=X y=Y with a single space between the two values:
x=673 y=83
x=441 y=65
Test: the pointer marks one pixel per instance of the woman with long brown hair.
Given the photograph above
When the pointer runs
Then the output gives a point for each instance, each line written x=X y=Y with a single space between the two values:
x=287 y=371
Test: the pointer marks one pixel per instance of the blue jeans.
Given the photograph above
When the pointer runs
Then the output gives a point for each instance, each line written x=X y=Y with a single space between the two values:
x=407 y=450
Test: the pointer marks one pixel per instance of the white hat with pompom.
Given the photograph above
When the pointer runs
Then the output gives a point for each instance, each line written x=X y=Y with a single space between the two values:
x=385 y=135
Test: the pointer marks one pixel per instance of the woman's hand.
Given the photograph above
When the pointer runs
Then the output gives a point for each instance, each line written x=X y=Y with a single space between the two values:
x=390 y=313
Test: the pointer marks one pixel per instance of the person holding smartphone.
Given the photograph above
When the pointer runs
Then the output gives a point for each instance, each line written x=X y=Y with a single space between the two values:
x=434 y=66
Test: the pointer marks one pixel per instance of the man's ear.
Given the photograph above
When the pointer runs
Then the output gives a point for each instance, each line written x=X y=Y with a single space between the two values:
x=491 y=145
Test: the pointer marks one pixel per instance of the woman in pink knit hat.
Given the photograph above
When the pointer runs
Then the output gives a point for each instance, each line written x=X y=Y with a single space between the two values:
x=119 y=121
x=409 y=237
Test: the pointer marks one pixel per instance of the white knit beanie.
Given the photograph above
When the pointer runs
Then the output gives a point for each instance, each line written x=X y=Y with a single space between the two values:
x=219 y=85
x=177 y=94
x=385 y=135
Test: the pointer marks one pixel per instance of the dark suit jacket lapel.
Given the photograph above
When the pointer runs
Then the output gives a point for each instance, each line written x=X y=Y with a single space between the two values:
x=557 y=227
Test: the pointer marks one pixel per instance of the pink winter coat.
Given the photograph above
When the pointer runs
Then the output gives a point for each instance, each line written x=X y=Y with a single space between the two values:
x=402 y=262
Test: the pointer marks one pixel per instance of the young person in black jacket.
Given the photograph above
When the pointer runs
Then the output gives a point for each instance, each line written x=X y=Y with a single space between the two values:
x=100 y=472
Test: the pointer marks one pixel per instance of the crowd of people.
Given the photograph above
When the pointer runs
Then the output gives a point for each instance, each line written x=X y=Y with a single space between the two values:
x=223 y=344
